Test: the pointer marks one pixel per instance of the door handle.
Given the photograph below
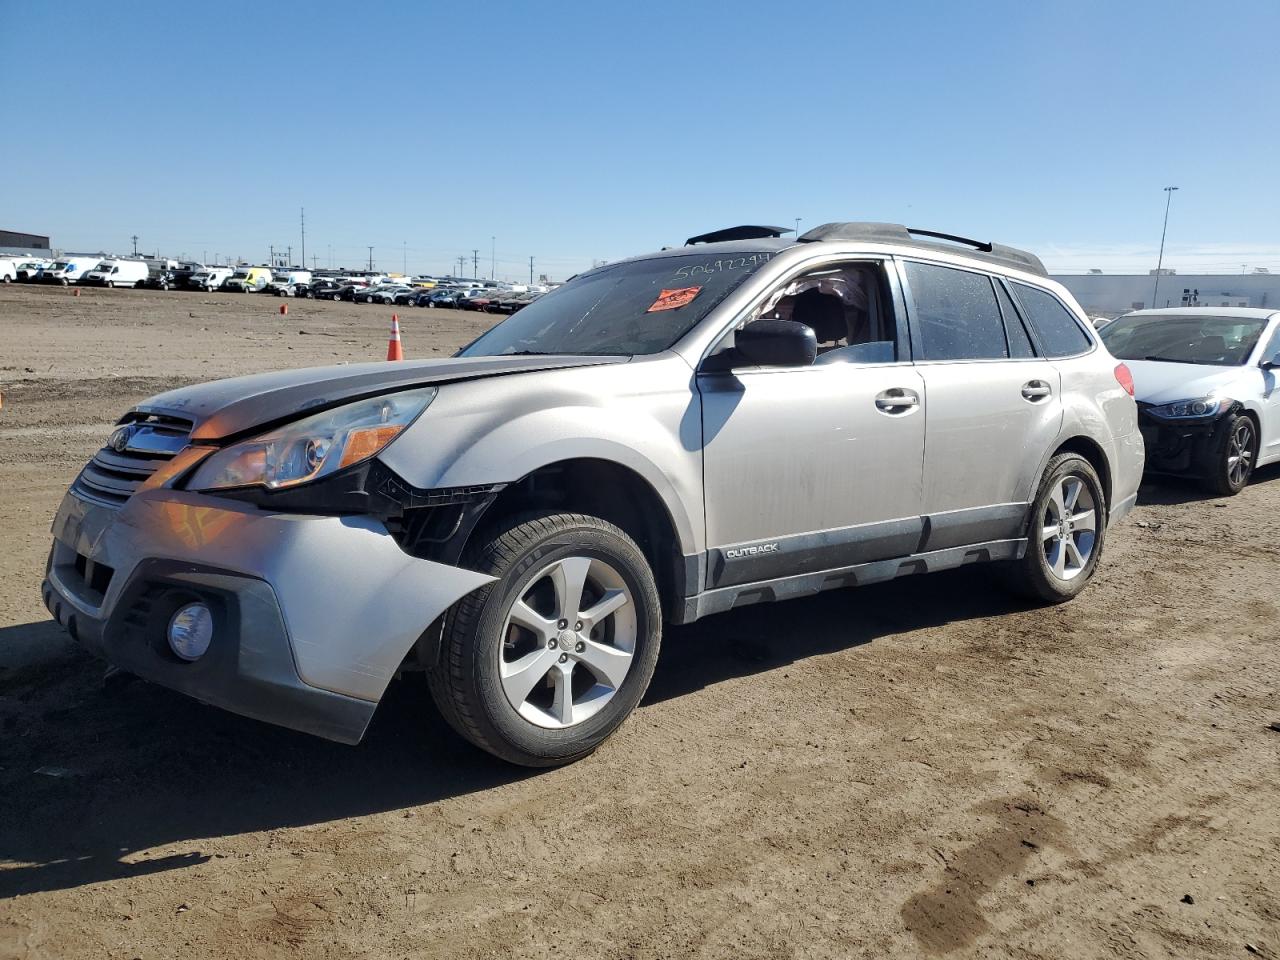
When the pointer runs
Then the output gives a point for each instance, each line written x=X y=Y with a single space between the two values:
x=897 y=400
x=1034 y=390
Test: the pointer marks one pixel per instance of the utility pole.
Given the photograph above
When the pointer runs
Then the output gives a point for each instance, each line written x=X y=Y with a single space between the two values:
x=462 y=265
x=1168 y=192
x=371 y=259
x=314 y=258
x=303 y=217
x=797 y=228
x=493 y=258
x=289 y=258
x=404 y=257
x=475 y=263
x=134 y=238
x=531 y=271
x=272 y=257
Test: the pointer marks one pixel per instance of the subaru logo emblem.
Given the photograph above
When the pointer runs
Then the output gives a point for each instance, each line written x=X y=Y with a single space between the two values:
x=120 y=438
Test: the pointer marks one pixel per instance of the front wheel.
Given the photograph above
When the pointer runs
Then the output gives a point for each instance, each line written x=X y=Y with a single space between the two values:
x=1066 y=531
x=1231 y=462
x=544 y=664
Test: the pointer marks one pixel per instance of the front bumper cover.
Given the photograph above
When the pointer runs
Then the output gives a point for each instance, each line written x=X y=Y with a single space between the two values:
x=313 y=615
x=1183 y=446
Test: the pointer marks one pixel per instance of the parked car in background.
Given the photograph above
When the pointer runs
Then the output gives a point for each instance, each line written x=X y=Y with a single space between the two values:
x=1206 y=383
x=407 y=295
x=511 y=304
x=441 y=297
x=28 y=270
x=477 y=299
x=325 y=290
x=8 y=269
x=285 y=283
x=68 y=270
x=208 y=278
x=248 y=280
x=116 y=273
x=385 y=294
x=660 y=439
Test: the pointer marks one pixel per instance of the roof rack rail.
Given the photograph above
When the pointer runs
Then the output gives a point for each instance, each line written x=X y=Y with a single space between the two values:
x=897 y=233
x=745 y=232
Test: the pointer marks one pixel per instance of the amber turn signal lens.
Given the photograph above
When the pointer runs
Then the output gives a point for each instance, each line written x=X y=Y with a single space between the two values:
x=362 y=444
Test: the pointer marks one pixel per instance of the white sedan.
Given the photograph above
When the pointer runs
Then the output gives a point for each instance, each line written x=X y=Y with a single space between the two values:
x=1205 y=379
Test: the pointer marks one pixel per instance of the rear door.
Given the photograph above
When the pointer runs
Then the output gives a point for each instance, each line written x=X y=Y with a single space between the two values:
x=994 y=405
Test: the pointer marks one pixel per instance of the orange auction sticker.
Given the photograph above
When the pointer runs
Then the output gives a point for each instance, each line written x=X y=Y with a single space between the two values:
x=671 y=299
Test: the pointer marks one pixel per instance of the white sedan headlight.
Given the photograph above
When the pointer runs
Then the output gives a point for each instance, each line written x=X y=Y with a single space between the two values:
x=315 y=447
x=1191 y=409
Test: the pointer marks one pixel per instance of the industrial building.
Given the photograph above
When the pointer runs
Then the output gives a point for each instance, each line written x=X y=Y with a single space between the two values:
x=1110 y=294
x=23 y=244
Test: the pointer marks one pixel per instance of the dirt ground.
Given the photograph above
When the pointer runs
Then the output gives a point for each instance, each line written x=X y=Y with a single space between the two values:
x=922 y=768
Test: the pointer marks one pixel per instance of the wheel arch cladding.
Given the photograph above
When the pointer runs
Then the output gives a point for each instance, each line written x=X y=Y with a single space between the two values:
x=611 y=491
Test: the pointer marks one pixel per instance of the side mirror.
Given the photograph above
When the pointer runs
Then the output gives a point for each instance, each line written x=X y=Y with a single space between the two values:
x=1272 y=364
x=777 y=343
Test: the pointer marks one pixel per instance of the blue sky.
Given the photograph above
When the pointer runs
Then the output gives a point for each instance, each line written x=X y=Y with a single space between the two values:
x=573 y=132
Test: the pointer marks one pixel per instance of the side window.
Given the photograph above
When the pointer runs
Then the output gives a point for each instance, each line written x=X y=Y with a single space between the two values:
x=1019 y=341
x=1273 y=346
x=849 y=306
x=1056 y=329
x=955 y=313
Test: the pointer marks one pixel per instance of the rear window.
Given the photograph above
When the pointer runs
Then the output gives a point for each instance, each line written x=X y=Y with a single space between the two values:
x=955 y=313
x=1055 y=326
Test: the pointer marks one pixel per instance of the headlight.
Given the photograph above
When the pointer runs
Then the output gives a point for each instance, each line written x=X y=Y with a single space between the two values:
x=1191 y=409
x=306 y=450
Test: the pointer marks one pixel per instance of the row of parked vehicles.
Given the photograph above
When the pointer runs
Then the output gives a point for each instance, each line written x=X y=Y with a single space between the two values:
x=158 y=274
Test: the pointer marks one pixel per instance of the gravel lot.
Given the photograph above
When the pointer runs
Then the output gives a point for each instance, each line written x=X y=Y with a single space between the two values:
x=914 y=769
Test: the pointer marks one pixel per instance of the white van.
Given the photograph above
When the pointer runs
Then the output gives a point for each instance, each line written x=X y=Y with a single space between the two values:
x=283 y=281
x=68 y=270
x=209 y=278
x=8 y=269
x=116 y=273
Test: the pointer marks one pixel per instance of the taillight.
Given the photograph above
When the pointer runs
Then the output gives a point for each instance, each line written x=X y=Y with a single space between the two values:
x=1125 y=378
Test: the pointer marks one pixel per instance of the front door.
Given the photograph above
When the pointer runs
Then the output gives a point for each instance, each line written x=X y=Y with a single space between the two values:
x=816 y=468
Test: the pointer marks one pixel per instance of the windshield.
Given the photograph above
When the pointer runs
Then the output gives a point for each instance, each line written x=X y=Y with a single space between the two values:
x=1209 y=340
x=634 y=308
x=240 y=274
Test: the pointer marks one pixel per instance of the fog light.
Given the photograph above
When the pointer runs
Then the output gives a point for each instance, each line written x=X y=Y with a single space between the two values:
x=190 y=631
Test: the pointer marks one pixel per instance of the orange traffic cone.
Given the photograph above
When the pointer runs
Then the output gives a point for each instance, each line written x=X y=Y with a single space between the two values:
x=394 y=350
x=284 y=309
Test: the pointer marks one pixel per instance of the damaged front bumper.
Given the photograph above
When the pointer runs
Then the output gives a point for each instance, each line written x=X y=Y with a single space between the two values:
x=312 y=615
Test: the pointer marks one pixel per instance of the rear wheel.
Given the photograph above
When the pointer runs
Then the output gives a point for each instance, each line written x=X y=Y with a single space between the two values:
x=544 y=664
x=1066 y=532
x=1233 y=457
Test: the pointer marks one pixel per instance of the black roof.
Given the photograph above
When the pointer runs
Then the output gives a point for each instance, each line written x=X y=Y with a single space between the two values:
x=897 y=233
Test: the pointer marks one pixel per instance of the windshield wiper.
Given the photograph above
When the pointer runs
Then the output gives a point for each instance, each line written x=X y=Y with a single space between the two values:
x=530 y=353
x=1169 y=360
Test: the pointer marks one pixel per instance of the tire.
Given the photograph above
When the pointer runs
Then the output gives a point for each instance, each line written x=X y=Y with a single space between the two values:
x=368 y=299
x=537 y=727
x=1051 y=570
x=1230 y=464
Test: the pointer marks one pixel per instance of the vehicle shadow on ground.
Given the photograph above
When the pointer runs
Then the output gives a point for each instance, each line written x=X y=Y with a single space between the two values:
x=1168 y=490
x=94 y=774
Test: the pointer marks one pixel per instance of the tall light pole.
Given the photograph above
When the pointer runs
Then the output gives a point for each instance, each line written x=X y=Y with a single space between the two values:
x=1168 y=194
x=797 y=228
x=302 y=217
x=493 y=258
x=404 y=257
x=134 y=238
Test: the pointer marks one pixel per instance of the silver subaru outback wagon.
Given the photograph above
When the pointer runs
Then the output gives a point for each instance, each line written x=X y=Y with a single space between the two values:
x=742 y=419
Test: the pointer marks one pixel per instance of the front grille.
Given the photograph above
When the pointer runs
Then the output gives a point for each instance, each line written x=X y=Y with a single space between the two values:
x=112 y=476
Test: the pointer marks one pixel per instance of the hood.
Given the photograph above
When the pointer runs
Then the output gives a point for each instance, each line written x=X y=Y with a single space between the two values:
x=225 y=408
x=1156 y=382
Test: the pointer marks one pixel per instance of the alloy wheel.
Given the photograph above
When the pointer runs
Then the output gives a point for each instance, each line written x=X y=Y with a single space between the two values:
x=1240 y=452
x=568 y=642
x=1069 y=528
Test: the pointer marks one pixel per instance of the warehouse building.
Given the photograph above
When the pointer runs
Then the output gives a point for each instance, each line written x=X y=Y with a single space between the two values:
x=1110 y=294
x=23 y=244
